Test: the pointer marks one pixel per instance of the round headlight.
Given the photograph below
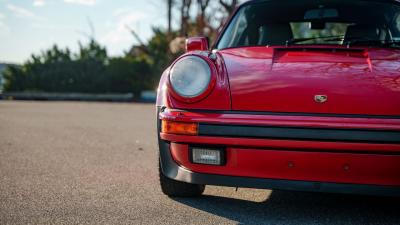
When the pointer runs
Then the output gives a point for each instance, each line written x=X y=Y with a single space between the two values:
x=190 y=76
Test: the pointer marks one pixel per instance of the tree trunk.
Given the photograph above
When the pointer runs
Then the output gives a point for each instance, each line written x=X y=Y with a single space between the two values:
x=185 y=16
x=229 y=6
x=201 y=20
x=169 y=7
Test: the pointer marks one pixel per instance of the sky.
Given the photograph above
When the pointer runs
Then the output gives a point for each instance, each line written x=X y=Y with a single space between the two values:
x=29 y=26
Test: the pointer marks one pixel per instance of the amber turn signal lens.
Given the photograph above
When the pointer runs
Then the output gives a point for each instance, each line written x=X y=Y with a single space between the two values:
x=171 y=127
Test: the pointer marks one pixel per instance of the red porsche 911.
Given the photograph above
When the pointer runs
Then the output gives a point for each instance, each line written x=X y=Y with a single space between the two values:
x=294 y=95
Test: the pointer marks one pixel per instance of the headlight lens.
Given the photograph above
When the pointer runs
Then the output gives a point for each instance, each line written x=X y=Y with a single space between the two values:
x=190 y=76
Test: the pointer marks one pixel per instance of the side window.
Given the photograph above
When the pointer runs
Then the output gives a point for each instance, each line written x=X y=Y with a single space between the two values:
x=241 y=38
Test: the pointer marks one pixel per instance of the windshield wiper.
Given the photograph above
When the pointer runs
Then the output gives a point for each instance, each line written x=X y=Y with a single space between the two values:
x=373 y=42
x=326 y=38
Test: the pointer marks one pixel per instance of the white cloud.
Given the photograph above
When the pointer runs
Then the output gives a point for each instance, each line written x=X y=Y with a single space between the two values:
x=81 y=2
x=119 y=36
x=39 y=3
x=2 y=26
x=121 y=11
x=22 y=12
x=4 y=29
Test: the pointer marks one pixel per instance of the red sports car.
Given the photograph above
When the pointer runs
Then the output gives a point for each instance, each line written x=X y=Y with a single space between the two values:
x=294 y=95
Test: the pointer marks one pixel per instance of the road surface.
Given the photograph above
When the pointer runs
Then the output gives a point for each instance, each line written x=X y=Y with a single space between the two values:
x=96 y=163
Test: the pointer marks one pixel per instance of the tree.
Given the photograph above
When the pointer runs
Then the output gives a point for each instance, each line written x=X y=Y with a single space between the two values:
x=170 y=5
x=229 y=5
x=91 y=70
x=129 y=75
x=185 y=16
x=201 y=18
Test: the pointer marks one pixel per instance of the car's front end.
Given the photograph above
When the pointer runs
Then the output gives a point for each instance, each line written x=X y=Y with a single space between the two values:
x=276 y=114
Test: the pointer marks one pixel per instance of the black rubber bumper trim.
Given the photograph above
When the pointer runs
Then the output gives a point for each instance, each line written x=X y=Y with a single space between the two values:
x=300 y=133
x=172 y=170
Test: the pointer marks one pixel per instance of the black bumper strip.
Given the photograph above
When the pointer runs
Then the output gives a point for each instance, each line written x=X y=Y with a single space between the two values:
x=300 y=133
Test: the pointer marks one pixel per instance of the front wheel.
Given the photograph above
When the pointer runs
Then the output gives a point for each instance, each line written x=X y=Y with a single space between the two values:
x=175 y=188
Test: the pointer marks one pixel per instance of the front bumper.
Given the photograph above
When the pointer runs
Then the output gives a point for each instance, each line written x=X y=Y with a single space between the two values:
x=365 y=162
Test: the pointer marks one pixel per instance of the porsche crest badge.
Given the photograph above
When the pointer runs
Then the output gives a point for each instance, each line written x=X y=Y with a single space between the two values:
x=320 y=98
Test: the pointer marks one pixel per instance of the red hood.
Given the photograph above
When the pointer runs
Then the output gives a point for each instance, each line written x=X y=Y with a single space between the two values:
x=356 y=81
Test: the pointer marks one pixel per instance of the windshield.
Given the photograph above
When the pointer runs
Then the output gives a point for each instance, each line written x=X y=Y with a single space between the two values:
x=276 y=23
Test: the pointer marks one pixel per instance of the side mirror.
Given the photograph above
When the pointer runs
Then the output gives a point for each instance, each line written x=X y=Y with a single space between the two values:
x=196 y=44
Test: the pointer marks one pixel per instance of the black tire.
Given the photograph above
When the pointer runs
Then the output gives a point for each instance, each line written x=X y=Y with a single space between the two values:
x=175 y=188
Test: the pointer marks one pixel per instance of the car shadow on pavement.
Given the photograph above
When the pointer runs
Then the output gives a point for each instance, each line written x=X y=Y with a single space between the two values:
x=283 y=207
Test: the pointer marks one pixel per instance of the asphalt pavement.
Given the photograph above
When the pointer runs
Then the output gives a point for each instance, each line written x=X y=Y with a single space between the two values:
x=96 y=163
